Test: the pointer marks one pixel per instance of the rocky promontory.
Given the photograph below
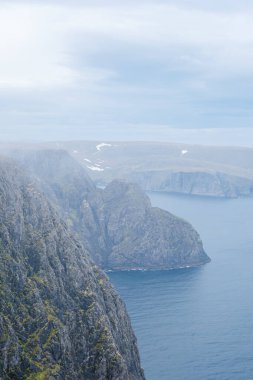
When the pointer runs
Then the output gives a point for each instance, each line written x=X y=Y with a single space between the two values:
x=142 y=236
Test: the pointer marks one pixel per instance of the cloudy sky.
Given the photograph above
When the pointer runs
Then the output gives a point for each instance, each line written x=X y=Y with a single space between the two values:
x=176 y=70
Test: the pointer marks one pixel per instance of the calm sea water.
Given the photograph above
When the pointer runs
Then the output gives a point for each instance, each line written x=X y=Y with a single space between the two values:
x=197 y=324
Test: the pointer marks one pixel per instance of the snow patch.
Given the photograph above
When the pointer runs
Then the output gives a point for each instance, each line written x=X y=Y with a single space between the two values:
x=86 y=204
x=99 y=146
x=183 y=152
x=87 y=160
x=95 y=168
x=75 y=151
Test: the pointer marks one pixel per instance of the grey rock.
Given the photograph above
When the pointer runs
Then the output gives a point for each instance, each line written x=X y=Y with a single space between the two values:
x=59 y=316
x=151 y=237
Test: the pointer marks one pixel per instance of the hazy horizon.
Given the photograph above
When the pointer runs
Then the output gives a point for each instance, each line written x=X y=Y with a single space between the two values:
x=212 y=137
x=165 y=70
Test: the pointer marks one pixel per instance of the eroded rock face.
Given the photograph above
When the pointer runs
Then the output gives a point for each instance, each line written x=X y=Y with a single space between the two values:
x=118 y=225
x=59 y=316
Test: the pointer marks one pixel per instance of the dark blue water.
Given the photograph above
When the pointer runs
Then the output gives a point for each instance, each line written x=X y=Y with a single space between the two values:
x=197 y=324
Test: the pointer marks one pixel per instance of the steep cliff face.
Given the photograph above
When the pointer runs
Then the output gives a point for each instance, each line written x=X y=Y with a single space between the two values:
x=151 y=237
x=118 y=224
x=211 y=184
x=59 y=316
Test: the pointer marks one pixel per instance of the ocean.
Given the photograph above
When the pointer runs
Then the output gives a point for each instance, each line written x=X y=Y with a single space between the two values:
x=197 y=323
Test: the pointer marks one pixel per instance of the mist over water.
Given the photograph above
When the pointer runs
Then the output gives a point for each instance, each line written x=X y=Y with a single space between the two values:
x=197 y=323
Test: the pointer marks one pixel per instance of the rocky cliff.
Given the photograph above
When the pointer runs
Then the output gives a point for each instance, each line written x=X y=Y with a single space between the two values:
x=209 y=183
x=59 y=316
x=118 y=224
x=142 y=236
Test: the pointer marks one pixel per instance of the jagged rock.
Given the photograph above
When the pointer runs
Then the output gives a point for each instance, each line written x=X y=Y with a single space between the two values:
x=59 y=316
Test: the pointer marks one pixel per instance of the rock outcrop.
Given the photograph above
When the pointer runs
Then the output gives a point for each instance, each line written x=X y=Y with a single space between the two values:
x=118 y=225
x=59 y=316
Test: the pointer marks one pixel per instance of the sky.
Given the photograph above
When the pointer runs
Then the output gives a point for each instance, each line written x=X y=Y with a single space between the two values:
x=130 y=70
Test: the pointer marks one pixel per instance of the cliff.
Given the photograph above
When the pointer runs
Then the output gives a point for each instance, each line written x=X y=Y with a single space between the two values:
x=59 y=316
x=209 y=183
x=151 y=237
x=118 y=225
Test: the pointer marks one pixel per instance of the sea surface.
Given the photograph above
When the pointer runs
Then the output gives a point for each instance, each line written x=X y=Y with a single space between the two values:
x=197 y=324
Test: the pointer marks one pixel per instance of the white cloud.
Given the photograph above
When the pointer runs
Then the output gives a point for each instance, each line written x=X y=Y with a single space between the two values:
x=215 y=39
x=31 y=50
x=164 y=62
x=35 y=41
x=34 y=50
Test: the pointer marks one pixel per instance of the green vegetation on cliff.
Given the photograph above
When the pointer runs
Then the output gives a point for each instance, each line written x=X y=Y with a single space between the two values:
x=59 y=316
